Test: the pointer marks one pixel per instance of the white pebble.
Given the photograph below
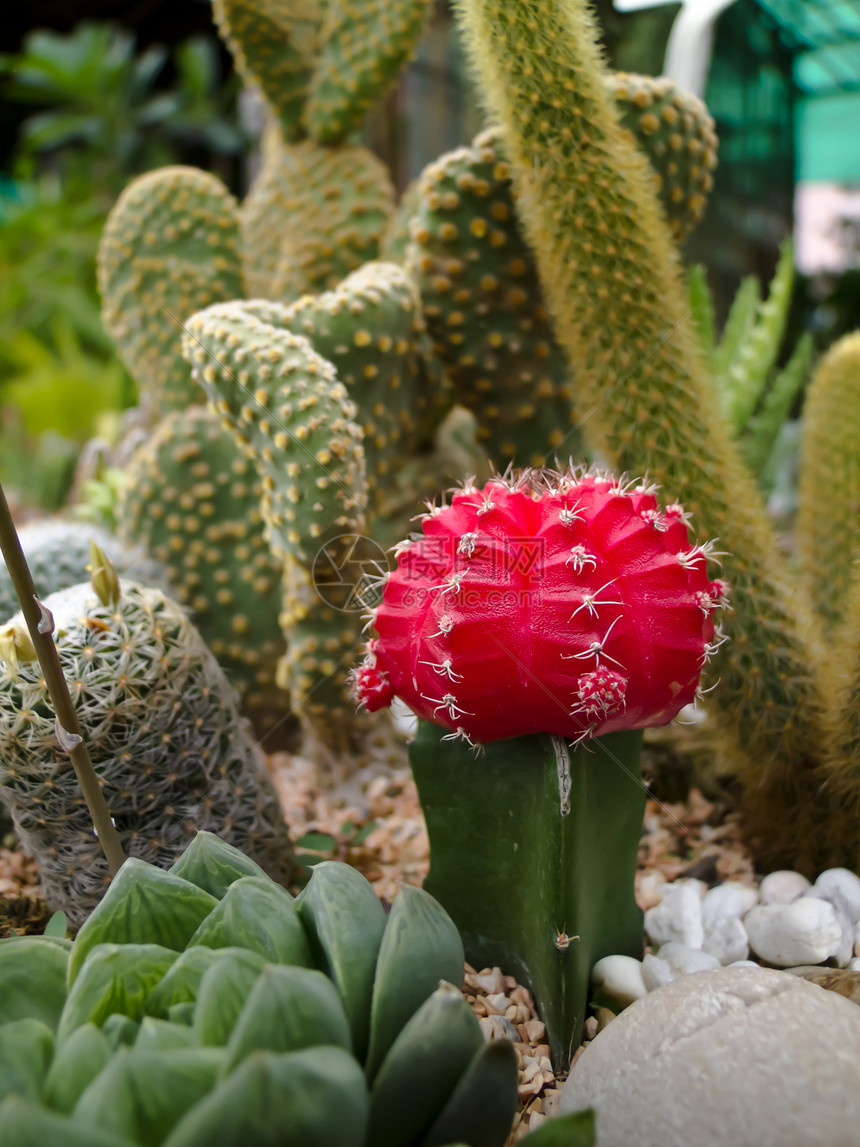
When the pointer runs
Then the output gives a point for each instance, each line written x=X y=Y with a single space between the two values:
x=854 y=966
x=782 y=887
x=726 y=939
x=844 y=886
x=744 y=964
x=728 y=900
x=656 y=973
x=678 y=916
x=683 y=960
x=619 y=977
x=857 y=939
x=806 y=931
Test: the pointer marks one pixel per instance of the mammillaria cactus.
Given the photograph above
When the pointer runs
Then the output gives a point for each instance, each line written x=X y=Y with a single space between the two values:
x=205 y=1005
x=569 y=604
x=163 y=729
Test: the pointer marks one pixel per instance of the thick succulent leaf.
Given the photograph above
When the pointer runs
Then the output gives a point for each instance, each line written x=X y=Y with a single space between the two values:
x=345 y=920
x=33 y=975
x=75 y=1066
x=162 y=1035
x=260 y=915
x=25 y=1124
x=319 y=1094
x=222 y=995
x=144 y=905
x=420 y=946
x=114 y=978
x=574 y=1130
x=26 y=1047
x=142 y=1095
x=289 y=1009
x=182 y=981
x=213 y=864
x=422 y=1068
x=120 y=1030
x=481 y=1107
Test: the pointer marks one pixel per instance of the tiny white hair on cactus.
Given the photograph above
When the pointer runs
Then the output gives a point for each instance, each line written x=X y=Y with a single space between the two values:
x=466 y=545
x=444 y=669
x=446 y=624
x=590 y=603
x=595 y=649
x=654 y=518
x=580 y=557
x=452 y=585
x=448 y=702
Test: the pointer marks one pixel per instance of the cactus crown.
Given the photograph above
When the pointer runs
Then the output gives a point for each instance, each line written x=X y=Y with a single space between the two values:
x=567 y=603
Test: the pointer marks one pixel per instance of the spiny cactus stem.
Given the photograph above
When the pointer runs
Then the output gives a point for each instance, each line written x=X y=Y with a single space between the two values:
x=533 y=850
x=67 y=722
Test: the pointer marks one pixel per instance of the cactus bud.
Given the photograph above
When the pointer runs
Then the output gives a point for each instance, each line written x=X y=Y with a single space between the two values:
x=566 y=603
x=103 y=576
x=15 y=646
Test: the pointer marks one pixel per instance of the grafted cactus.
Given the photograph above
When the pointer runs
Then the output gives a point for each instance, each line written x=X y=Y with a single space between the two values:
x=533 y=612
x=163 y=730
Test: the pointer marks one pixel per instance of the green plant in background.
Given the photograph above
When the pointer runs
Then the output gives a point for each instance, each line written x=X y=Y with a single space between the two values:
x=163 y=729
x=205 y=1002
x=655 y=408
x=754 y=397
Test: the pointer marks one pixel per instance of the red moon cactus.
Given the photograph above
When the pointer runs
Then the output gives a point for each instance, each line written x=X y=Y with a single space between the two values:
x=561 y=603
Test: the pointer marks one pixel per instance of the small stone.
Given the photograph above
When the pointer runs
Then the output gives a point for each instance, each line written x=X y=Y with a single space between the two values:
x=842 y=888
x=497 y=1027
x=744 y=964
x=726 y=939
x=683 y=960
x=656 y=973
x=727 y=901
x=806 y=931
x=678 y=916
x=736 y=1057
x=619 y=977
x=854 y=966
x=782 y=887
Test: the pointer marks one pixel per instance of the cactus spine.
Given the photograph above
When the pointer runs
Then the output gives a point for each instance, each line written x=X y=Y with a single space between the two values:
x=611 y=279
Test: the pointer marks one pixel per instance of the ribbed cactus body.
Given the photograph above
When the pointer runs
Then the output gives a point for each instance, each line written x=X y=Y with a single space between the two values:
x=484 y=307
x=829 y=495
x=275 y=45
x=170 y=247
x=365 y=44
x=675 y=131
x=164 y=733
x=312 y=215
x=194 y=501
x=58 y=554
x=611 y=280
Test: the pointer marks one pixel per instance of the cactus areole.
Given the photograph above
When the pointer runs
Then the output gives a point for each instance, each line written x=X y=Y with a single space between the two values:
x=567 y=603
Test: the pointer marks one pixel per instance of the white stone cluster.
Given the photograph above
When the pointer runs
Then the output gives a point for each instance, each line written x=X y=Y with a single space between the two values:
x=786 y=922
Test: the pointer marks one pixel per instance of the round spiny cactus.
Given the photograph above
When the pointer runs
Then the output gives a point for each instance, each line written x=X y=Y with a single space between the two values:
x=164 y=733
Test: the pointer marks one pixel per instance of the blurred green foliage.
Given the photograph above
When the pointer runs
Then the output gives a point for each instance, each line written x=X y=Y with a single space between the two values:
x=95 y=112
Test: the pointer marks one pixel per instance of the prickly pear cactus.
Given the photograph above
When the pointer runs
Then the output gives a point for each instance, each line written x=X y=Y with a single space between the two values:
x=170 y=246
x=58 y=554
x=312 y=215
x=164 y=733
x=193 y=501
x=676 y=132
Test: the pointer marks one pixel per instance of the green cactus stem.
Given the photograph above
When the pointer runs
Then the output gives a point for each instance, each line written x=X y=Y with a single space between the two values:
x=170 y=247
x=312 y=215
x=830 y=476
x=611 y=279
x=533 y=853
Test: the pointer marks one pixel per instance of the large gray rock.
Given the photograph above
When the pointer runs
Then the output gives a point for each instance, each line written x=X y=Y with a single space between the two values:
x=736 y=1057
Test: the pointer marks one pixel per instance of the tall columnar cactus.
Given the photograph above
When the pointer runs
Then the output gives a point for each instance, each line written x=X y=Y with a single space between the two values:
x=193 y=501
x=163 y=730
x=312 y=215
x=827 y=543
x=170 y=247
x=533 y=612
x=611 y=280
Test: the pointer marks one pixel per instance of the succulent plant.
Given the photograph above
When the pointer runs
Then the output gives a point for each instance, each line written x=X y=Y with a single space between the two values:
x=193 y=500
x=163 y=730
x=541 y=609
x=58 y=553
x=205 y=1004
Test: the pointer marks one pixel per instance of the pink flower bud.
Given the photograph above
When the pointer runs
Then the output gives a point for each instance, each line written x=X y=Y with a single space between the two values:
x=557 y=603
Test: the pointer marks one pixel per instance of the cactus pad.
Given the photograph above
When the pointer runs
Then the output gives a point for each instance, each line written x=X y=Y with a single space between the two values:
x=312 y=215
x=194 y=501
x=170 y=247
x=675 y=131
